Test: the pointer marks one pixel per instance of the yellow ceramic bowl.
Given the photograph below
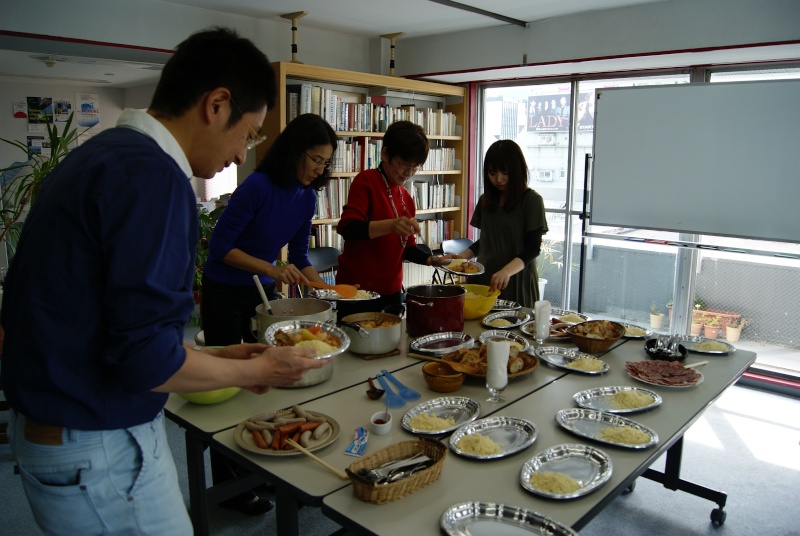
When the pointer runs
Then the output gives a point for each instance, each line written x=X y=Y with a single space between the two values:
x=211 y=397
x=478 y=307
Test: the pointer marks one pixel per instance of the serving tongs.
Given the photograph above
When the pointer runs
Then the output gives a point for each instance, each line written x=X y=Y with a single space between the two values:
x=345 y=291
x=396 y=469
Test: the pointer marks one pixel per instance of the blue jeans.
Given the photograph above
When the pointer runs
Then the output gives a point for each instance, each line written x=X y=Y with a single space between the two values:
x=102 y=482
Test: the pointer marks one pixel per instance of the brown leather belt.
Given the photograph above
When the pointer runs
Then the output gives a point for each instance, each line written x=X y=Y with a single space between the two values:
x=43 y=434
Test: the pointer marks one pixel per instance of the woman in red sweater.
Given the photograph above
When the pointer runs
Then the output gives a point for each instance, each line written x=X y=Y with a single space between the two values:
x=378 y=222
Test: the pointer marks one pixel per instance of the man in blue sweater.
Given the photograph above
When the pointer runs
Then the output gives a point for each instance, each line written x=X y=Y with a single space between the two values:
x=99 y=292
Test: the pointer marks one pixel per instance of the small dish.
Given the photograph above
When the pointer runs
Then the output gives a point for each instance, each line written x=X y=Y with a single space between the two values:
x=332 y=295
x=459 y=408
x=441 y=378
x=562 y=357
x=456 y=267
x=510 y=433
x=589 y=466
x=438 y=344
x=381 y=423
x=514 y=319
x=590 y=423
x=473 y=518
x=506 y=305
x=495 y=334
x=601 y=399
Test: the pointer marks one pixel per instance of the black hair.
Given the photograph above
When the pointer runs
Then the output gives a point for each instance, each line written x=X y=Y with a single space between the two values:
x=407 y=141
x=504 y=156
x=292 y=145
x=214 y=58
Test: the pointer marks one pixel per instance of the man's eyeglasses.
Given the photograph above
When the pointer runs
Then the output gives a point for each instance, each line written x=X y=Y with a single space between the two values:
x=319 y=163
x=254 y=138
x=408 y=168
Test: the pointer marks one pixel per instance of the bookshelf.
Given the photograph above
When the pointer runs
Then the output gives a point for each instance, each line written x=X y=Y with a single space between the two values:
x=360 y=106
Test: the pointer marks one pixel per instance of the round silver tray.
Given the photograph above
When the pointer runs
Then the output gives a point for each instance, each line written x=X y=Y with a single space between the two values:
x=644 y=335
x=511 y=433
x=460 y=520
x=293 y=326
x=461 y=409
x=690 y=342
x=599 y=398
x=558 y=313
x=437 y=344
x=591 y=467
x=529 y=329
x=589 y=422
x=506 y=335
x=517 y=318
x=332 y=295
x=561 y=357
x=506 y=305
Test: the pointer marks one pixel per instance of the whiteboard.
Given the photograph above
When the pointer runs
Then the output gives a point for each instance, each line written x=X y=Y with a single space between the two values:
x=719 y=159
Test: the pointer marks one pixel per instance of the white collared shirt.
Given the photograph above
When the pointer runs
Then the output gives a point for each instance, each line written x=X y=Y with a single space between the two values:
x=152 y=127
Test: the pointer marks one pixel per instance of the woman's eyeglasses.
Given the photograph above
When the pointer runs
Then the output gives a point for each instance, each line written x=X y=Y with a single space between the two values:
x=408 y=168
x=254 y=138
x=319 y=163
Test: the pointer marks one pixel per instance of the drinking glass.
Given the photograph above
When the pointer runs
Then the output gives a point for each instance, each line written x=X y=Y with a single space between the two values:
x=497 y=369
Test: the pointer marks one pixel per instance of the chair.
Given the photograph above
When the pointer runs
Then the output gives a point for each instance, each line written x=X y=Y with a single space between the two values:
x=324 y=259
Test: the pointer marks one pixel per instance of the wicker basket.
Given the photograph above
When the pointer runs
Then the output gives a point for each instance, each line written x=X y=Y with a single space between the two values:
x=384 y=493
x=595 y=346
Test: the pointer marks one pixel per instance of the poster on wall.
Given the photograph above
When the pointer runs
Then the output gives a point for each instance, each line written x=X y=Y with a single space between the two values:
x=40 y=113
x=62 y=108
x=88 y=109
x=38 y=145
x=550 y=113
x=20 y=110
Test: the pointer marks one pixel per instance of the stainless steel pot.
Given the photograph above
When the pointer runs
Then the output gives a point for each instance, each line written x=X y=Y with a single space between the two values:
x=295 y=309
x=434 y=309
x=290 y=309
x=372 y=341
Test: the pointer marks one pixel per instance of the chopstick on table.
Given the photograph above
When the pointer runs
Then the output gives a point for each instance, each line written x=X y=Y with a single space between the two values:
x=338 y=472
x=699 y=363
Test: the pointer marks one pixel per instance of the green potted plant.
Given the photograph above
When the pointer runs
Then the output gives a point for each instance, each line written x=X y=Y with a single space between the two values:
x=206 y=221
x=697 y=321
x=656 y=317
x=734 y=329
x=711 y=326
x=23 y=181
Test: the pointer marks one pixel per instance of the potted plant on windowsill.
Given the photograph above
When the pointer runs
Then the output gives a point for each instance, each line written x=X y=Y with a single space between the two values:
x=656 y=317
x=734 y=329
x=697 y=322
x=711 y=326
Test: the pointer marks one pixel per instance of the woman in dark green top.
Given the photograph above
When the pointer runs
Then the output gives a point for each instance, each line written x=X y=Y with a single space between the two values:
x=512 y=221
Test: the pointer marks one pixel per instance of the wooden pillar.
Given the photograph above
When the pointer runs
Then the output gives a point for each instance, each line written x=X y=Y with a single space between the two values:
x=392 y=37
x=294 y=17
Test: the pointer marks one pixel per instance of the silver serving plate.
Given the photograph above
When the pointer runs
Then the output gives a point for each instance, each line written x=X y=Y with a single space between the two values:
x=461 y=409
x=529 y=329
x=690 y=342
x=505 y=335
x=506 y=305
x=599 y=398
x=589 y=422
x=437 y=344
x=517 y=318
x=558 y=313
x=481 y=269
x=591 y=467
x=332 y=295
x=485 y=518
x=511 y=433
x=644 y=335
x=294 y=326
x=561 y=357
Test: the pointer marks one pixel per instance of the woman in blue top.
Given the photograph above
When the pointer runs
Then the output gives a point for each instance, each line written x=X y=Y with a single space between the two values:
x=273 y=207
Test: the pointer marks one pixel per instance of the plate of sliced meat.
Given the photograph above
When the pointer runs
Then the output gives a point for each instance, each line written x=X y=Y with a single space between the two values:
x=663 y=373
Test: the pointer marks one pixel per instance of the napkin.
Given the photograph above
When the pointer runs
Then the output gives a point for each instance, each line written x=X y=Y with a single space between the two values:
x=497 y=363
x=541 y=312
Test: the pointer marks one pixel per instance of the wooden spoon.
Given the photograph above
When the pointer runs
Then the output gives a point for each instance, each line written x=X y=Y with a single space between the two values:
x=455 y=365
x=345 y=291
